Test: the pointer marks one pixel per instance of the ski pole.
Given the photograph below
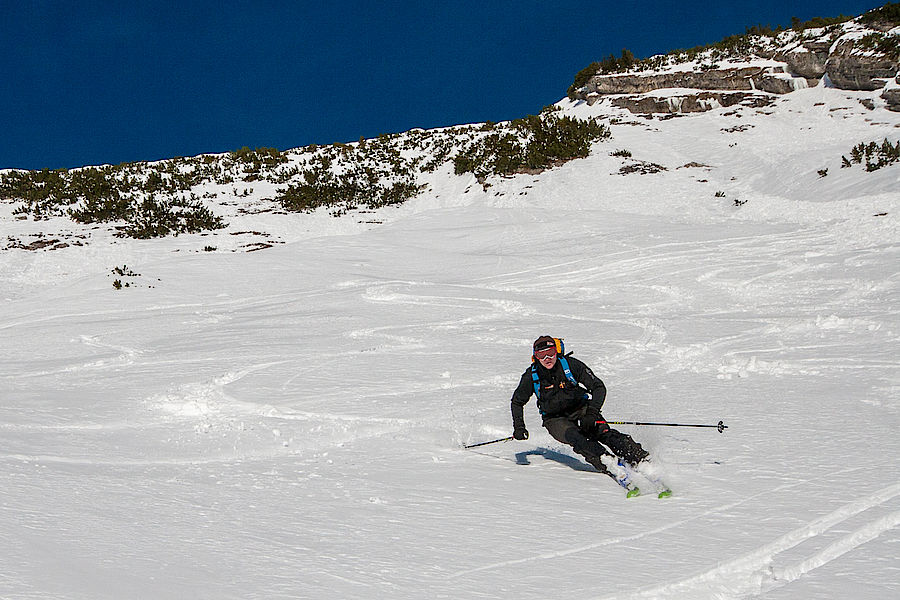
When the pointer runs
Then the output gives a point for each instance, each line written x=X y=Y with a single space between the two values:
x=720 y=426
x=506 y=439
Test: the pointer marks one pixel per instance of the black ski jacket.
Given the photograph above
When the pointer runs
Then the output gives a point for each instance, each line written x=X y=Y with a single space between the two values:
x=558 y=396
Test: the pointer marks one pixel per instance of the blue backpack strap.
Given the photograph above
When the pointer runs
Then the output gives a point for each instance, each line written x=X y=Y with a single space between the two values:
x=536 y=381
x=569 y=376
x=567 y=370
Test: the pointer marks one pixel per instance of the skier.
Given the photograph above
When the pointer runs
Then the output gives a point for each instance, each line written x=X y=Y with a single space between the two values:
x=569 y=397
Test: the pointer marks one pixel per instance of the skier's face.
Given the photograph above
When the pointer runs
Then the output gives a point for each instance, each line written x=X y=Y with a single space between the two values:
x=547 y=357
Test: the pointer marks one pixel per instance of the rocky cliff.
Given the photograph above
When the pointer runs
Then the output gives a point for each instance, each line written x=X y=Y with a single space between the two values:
x=853 y=55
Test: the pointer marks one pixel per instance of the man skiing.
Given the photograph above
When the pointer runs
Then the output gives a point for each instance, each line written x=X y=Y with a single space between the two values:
x=569 y=397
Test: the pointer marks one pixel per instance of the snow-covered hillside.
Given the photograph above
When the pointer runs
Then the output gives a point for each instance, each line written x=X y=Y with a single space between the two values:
x=289 y=422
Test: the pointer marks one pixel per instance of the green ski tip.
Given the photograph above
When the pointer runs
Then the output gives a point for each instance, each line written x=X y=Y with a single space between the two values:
x=665 y=494
x=633 y=492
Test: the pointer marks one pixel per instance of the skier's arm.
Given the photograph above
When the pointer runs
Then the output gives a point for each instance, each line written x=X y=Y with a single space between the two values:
x=519 y=399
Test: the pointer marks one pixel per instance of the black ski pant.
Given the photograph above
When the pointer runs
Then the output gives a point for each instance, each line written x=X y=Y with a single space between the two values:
x=566 y=430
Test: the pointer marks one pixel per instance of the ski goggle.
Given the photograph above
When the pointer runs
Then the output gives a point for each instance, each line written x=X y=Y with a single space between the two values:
x=545 y=353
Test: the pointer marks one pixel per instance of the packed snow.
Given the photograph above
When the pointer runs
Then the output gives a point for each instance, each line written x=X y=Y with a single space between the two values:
x=290 y=422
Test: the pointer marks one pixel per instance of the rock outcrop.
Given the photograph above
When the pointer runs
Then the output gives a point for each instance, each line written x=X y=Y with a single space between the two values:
x=685 y=103
x=850 y=69
x=807 y=60
x=892 y=96
x=772 y=79
x=778 y=65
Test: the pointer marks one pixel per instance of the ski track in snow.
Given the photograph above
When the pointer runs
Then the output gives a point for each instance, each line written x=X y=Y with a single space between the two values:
x=753 y=573
x=846 y=513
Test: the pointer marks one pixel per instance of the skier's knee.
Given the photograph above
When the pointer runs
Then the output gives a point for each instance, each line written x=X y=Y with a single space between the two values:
x=577 y=440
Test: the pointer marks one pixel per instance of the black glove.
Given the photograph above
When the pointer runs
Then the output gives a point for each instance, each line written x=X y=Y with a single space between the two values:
x=520 y=433
x=589 y=425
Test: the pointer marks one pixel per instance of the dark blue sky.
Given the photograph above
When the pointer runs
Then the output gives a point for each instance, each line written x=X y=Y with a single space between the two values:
x=85 y=83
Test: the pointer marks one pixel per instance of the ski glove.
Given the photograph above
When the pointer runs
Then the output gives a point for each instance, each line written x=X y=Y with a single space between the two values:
x=589 y=425
x=520 y=433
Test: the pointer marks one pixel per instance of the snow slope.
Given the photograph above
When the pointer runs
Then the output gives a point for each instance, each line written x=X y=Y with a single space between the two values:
x=288 y=423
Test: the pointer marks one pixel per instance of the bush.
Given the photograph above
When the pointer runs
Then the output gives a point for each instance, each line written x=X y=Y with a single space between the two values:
x=888 y=45
x=555 y=140
x=582 y=77
x=817 y=22
x=532 y=143
x=42 y=192
x=875 y=155
x=269 y=157
x=889 y=14
x=148 y=207
x=98 y=196
x=610 y=64
x=156 y=217
x=342 y=178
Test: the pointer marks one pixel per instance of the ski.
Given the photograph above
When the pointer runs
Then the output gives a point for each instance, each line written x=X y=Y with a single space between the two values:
x=609 y=466
x=621 y=475
x=662 y=489
x=631 y=490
